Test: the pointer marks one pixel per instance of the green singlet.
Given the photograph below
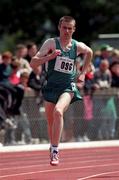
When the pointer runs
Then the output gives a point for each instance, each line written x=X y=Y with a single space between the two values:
x=61 y=74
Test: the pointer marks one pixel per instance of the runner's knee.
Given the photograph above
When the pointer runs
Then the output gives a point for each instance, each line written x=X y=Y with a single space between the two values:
x=58 y=112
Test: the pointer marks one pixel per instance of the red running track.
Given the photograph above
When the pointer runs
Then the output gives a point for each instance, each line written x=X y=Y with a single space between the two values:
x=75 y=164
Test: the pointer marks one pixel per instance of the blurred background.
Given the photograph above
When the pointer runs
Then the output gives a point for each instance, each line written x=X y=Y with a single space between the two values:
x=37 y=20
x=24 y=26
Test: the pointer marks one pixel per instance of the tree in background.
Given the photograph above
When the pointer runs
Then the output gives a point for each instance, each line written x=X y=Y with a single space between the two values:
x=35 y=19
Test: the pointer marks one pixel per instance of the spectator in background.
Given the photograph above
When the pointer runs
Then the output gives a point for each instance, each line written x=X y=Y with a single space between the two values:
x=37 y=79
x=102 y=76
x=97 y=58
x=115 y=56
x=20 y=53
x=23 y=126
x=14 y=95
x=7 y=92
x=89 y=80
x=114 y=68
x=24 y=78
x=12 y=92
x=31 y=51
x=5 y=73
x=14 y=78
x=14 y=112
x=105 y=52
x=21 y=88
x=102 y=80
x=85 y=123
x=5 y=67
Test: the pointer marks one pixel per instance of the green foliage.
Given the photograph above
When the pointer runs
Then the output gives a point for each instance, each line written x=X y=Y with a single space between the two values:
x=29 y=16
x=9 y=41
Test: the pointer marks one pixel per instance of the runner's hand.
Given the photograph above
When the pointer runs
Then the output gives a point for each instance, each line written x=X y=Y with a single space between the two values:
x=54 y=54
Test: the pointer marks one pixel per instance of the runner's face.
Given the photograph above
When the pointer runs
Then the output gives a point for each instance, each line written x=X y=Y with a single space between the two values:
x=66 y=29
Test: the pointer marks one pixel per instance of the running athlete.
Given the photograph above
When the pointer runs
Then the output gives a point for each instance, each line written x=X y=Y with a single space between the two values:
x=59 y=55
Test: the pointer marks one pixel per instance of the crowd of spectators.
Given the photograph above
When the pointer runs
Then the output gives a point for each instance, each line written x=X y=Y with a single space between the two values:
x=15 y=80
x=100 y=114
x=17 y=77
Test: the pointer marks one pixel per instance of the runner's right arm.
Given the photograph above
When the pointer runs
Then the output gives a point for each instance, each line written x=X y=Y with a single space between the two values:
x=46 y=53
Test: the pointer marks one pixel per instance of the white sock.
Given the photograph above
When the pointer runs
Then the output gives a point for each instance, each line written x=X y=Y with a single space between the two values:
x=54 y=148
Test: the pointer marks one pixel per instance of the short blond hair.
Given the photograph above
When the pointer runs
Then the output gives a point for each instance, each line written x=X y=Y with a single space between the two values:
x=67 y=19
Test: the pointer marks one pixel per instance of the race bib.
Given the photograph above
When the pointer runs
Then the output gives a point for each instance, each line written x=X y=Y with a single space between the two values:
x=64 y=64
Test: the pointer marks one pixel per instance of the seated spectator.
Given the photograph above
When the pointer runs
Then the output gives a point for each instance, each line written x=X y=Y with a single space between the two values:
x=24 y=78
x=23 y=121
x=89 y=80
x=20 y=90
x=15 y=111
x=5 y=67
x=5 y=84
x=20 y=53
x=102 y=76
x=115 y=56
x=37 y=79
x=7 y=90
x=14 y=78
x=15 y=91
x=11 y=96
x=31 y=51
x=105 y=52
x=97 y=58
x=102 y=80
x=86 y=121
x=114 y=68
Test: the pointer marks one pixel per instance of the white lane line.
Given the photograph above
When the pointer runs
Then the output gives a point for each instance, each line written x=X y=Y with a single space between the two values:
x=68 y=163
x=97 y=175
x=58 y=170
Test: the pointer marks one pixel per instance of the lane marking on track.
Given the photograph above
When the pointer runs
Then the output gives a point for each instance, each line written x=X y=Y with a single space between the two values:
x=34 y=165
x=58 y=170
x=97 y=175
